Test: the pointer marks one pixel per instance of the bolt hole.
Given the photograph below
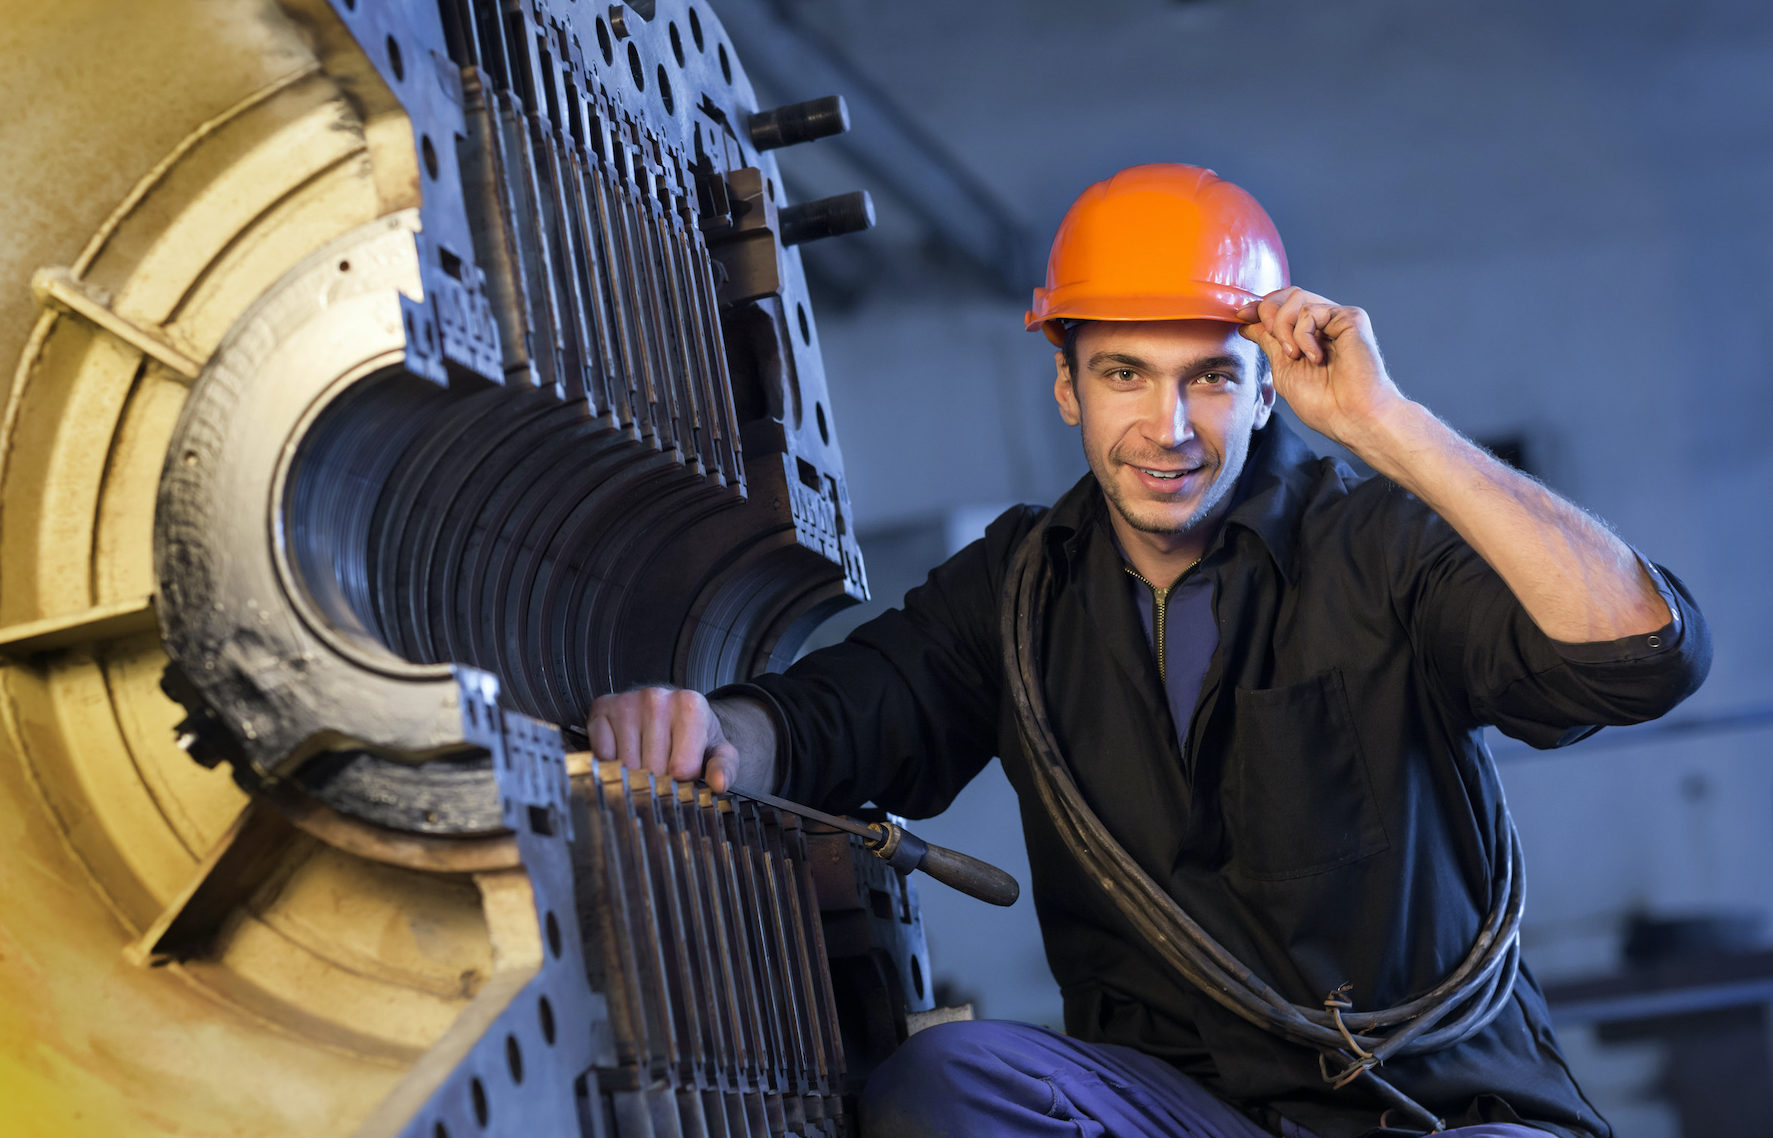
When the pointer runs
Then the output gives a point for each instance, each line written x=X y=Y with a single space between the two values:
x=824 y=428
x=917 y=976
x=726 y=66
x=482 y=1111
x=806 y=329
x=440 y=1131
x=636 y=68
x=603 y=44
x=190 y=458
x=665 y=91
x=514 y=1053
x=553 y=933
x=350 y=5
x=430 y=155
x=344 y=266
x=695 y=28
x=769 y=188
x=676 y=42
x=545 y=1013
x=394 y=61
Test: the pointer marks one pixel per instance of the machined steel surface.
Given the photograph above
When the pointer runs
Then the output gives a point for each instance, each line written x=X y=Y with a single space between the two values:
x=362 y=347
x=574 y=520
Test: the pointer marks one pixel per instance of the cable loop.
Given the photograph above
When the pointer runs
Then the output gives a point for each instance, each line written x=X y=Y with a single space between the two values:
x=1336 y=1001
x=1354 y=1069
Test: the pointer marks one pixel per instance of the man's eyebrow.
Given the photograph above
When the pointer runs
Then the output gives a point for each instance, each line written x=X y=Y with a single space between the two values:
x=1100 y=358
x=1219 y=363
x=1211 y=363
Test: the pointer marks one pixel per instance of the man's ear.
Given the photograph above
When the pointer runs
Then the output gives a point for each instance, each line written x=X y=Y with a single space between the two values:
x=1065 y=392
x=1265 y=397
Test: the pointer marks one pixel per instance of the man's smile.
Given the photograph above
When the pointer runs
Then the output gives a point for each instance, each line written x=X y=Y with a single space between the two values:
x=1170 y=477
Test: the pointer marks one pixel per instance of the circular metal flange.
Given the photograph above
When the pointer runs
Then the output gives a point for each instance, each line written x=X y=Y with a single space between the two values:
x=282 y=671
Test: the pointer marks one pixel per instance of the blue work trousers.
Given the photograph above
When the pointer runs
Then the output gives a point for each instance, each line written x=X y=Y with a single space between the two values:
x=995 y=1078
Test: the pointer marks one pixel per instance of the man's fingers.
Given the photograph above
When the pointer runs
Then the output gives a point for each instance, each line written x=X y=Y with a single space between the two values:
x=627 y=728
x=669 y=732
x=1268 y=311
x=693 y=728
x=1287 y=323
x=609 y=728
x=722 y=766
x=1305 y=334
x=1335 y=321
x=1300 y=324
x=601 y=735
x=1347 y=318
x=655 y=729
x=1261 y=335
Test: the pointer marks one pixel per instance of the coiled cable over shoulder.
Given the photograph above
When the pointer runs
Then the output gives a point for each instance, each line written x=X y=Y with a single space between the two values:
x=1349 y=1044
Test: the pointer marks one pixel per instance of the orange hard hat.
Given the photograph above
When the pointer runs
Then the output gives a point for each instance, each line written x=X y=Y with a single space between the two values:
x=1159 y=242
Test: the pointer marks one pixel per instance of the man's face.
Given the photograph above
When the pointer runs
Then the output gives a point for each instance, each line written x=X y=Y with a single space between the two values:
x=1166 y=407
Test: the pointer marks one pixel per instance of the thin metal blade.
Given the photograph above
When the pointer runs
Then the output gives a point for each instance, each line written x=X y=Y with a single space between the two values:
x=862 y=829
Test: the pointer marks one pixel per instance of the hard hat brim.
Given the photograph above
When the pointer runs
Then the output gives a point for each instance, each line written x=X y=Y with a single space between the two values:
x=1222 y=305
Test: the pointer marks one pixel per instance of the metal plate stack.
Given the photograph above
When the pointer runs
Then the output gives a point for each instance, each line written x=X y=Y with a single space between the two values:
x=357 y=343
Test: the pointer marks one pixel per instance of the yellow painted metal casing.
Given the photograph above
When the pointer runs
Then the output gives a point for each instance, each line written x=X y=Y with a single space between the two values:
x=167 y=162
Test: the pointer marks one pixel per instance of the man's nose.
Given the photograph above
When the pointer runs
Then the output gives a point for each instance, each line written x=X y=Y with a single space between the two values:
x=1169 y=424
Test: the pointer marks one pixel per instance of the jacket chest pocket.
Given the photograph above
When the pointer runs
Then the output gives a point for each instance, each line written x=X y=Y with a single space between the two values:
x=1297 y=794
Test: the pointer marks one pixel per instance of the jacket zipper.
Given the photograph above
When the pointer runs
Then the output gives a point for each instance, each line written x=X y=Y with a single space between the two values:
x=1159 y=600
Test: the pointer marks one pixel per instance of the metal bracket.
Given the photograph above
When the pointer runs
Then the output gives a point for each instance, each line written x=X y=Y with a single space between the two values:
x=60 y=289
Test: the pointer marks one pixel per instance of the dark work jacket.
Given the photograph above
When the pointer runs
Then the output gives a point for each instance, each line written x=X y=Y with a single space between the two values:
x=1334 y=812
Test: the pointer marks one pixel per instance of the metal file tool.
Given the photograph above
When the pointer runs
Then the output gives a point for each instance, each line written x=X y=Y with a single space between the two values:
x=905 y=851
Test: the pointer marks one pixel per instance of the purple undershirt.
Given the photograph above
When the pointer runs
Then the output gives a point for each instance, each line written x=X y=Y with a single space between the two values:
x=1190 y=636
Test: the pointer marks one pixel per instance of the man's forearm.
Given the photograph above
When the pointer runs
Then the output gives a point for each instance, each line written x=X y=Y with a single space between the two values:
x=1577 y=580
x=751 y=729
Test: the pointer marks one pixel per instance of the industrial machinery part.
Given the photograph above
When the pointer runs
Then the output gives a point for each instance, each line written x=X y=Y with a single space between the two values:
x=364 y=348
x=676 y=980
x=906 y=852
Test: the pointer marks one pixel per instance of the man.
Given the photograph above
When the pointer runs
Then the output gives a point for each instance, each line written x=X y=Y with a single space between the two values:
x=1264 y=677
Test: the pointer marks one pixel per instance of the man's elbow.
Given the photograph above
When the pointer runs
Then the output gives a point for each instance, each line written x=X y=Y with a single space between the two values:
x=1667 y=678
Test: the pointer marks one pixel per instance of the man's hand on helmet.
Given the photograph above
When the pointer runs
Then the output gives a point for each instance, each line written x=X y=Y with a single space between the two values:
x=1325 y=361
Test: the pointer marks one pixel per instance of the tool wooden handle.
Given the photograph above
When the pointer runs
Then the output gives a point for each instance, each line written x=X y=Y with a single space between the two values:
x=905 y=851
x=971 y=876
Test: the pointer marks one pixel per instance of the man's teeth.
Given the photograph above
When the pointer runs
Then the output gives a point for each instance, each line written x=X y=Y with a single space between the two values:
x=1165 y=474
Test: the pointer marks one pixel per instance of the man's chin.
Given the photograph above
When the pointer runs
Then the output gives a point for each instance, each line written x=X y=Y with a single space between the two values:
x=1172 y=523
x=1160 y=518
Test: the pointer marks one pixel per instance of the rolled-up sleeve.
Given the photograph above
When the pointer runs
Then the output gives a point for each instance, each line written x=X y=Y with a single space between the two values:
x=1489 y=660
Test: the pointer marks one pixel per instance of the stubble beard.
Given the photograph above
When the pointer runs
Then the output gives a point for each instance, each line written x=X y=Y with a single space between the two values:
x=1155 y=519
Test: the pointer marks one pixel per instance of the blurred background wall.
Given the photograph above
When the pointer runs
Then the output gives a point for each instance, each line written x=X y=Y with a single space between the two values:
x=1558 y=218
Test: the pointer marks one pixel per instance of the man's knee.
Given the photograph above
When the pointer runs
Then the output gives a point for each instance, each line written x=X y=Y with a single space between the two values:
x=947 y=1078
x=936 y=1056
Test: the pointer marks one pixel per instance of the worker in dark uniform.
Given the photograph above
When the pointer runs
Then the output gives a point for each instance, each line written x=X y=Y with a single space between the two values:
x=1239 y=690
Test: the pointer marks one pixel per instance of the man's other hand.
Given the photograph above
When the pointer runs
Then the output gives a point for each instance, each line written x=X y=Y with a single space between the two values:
x=672 y=732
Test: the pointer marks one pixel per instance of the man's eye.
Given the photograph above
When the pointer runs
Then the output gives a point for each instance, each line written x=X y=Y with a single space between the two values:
x=1123 y=374
x=1212 y=377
